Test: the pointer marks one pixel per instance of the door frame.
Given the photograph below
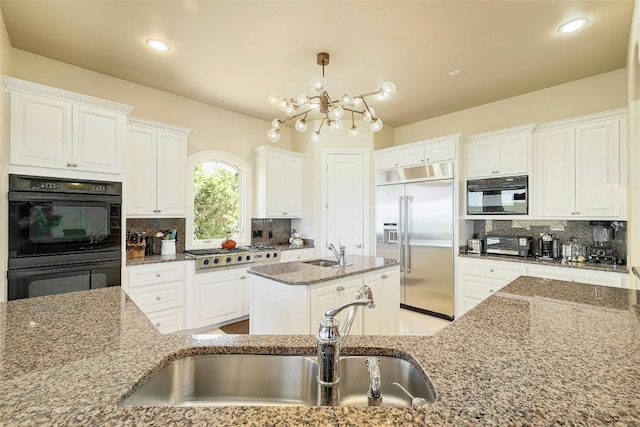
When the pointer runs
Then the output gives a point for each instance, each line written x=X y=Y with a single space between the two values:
x=368 y=199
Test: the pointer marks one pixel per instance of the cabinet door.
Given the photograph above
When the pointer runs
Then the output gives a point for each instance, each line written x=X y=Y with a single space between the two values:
x=292 y=187
x=141 y=171
x=171 y=174
x=98 y=137
x=598 y=169
x=347 y=294
x=384 y=318
x=412 y=156
x=481 y=159
x=322 y=299
x=387 y=160
x=168 y=321
x=41 y=131
x=276 y=186
x=602 y=278
x=299 y=254
x=555 y=174
x=513 y=155
x=439 y=152
x=218 y=298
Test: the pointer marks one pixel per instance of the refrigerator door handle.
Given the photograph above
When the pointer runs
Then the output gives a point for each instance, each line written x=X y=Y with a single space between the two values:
x=407 y=233
x=401 y=233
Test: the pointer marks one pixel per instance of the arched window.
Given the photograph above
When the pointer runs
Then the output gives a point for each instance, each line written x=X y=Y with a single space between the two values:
x=219 y=204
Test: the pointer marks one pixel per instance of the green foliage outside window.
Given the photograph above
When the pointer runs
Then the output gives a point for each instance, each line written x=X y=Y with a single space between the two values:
x=216 y=201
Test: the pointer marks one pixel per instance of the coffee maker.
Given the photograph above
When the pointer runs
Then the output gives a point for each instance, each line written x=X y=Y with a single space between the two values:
x=603 y=234
x=548 y=247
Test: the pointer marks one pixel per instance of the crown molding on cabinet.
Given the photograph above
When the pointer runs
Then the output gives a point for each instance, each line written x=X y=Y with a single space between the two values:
x=456 y=137
x=14 y=84
x=582 y=120
x=502 y=132
x=151 y=124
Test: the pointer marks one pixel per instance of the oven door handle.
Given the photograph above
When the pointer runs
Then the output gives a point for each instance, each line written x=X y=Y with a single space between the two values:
x=53 y=269
x=26 y=196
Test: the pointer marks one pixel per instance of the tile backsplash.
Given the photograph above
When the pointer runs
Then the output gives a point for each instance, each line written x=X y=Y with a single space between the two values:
x=563 y=230
x=269 y=231
x=152 y=225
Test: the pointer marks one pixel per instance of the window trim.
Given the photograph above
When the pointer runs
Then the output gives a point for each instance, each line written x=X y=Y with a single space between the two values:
x=244 y=209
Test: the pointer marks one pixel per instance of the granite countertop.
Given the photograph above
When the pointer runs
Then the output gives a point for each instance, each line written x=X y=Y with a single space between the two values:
x=613 y=268
x=300 y=273
x=539 y=352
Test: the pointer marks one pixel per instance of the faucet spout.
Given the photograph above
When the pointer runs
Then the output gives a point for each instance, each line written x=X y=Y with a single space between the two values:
x=374 y=395
x=340 y=256
x=330 y=342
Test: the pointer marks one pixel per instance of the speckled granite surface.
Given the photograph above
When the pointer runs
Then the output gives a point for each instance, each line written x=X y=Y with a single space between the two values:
x=539 y=352
x=300 y=273
x=155 y=259
x=559 y=263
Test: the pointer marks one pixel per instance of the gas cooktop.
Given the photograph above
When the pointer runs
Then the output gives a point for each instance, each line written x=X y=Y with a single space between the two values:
x=220 y=257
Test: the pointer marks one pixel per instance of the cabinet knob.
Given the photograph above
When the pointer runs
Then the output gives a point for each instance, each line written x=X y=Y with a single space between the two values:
x=384 y=276
x=284 y=213
x=491 y=270
x=243 y=277
x=577 y=212
x=158 y=324
x=358 y=246
x=340 y=288
x=490 y=291
x=157 y=298
x=157 y=274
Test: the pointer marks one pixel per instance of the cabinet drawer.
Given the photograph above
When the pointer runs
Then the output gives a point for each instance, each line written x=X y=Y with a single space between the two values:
x=482 y=287
x=495 y=270
x=574 y=275
x=158 y=297
x=168 y=321
x=299 y=254
x=155 y=274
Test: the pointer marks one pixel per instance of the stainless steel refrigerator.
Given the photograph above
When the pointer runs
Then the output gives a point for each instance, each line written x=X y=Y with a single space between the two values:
x=414 y=223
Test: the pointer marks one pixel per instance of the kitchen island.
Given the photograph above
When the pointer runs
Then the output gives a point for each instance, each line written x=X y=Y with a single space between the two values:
x=291 y=297
x=539 y=352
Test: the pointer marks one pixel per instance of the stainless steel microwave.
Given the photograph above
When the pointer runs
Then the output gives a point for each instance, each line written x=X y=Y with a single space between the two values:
x=498 y=196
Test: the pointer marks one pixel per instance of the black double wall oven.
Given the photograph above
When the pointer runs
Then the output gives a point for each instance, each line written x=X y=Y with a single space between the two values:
x=64 y=235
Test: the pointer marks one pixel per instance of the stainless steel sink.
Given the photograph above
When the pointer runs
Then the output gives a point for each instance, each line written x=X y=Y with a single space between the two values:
x=273 y=380
x=321 y=262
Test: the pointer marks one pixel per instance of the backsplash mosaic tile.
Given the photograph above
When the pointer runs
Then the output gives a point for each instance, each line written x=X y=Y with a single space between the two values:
x=563 y=230
x=270 y=231
x=152 y=225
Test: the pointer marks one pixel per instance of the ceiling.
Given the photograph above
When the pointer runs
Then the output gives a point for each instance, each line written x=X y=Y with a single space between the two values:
x=242 y=51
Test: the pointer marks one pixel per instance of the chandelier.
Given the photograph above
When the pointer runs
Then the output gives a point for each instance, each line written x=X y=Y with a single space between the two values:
x=333 y=110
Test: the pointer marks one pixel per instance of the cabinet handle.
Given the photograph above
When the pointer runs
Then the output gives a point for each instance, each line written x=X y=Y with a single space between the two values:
x=157 y=274
x=157 y=298
x=340 y=288
x=284 y=213
x=243 y=277
x=384 y=276
x=577 y=212
x=72 y=165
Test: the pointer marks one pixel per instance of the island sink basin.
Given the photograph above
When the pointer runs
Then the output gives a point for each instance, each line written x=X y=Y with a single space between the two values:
x=322 y=262
x=274 y=380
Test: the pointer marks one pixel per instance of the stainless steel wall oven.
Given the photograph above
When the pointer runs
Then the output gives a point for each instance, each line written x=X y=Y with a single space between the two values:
x=64 y=235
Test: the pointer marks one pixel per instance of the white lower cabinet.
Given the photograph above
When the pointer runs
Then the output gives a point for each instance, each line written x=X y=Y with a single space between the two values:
x=477 y=279
x=217 y=296
x=279 y=308
x=159 y=291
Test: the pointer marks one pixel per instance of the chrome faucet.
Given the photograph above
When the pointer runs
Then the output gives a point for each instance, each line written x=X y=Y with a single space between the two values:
x=331 y=340
x=374 y=396
x=339 y=255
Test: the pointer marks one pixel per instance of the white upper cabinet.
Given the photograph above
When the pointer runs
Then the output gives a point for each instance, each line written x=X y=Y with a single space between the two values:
x=278 y=179
x=156 y=170
x=53 y=128
x=579 y=169
x=417 y=153
x=502 y=153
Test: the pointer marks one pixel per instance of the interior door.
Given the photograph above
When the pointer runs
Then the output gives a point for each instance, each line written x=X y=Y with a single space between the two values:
x=347 y=198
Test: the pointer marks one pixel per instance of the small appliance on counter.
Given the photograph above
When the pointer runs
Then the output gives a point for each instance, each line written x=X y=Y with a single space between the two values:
x=474 y=246
x=601 y=251
x=548 y=247
x=509 y=245
x=574 y=251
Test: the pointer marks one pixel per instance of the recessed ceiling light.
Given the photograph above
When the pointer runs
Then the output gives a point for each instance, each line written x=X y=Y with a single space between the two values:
x=573 y=25
x=454 y=72
x=229 y=101
x=158 y=45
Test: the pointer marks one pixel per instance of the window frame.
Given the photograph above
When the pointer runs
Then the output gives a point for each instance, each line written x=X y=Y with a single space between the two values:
x=244 y=188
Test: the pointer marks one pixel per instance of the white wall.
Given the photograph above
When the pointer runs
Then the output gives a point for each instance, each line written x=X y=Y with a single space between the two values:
x=590 y=95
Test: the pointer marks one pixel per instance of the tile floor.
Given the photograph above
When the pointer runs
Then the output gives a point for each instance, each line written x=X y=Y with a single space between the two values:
x=411 y=323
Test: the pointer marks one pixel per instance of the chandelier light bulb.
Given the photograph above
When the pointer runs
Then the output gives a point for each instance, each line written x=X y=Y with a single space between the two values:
x=283 y=103
x=273 y=135
x=337 y=112
x=357 y=102
x=315 y=137
x=354 y=131
x=336 y=124
x=290 y=110
x=366 y=116
x=303 y=100
x=317 y=84
x=274 y=99
x=376 y=125
x=387 y=90
x=276 y=124
x=302 y=125
x=346 y=98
